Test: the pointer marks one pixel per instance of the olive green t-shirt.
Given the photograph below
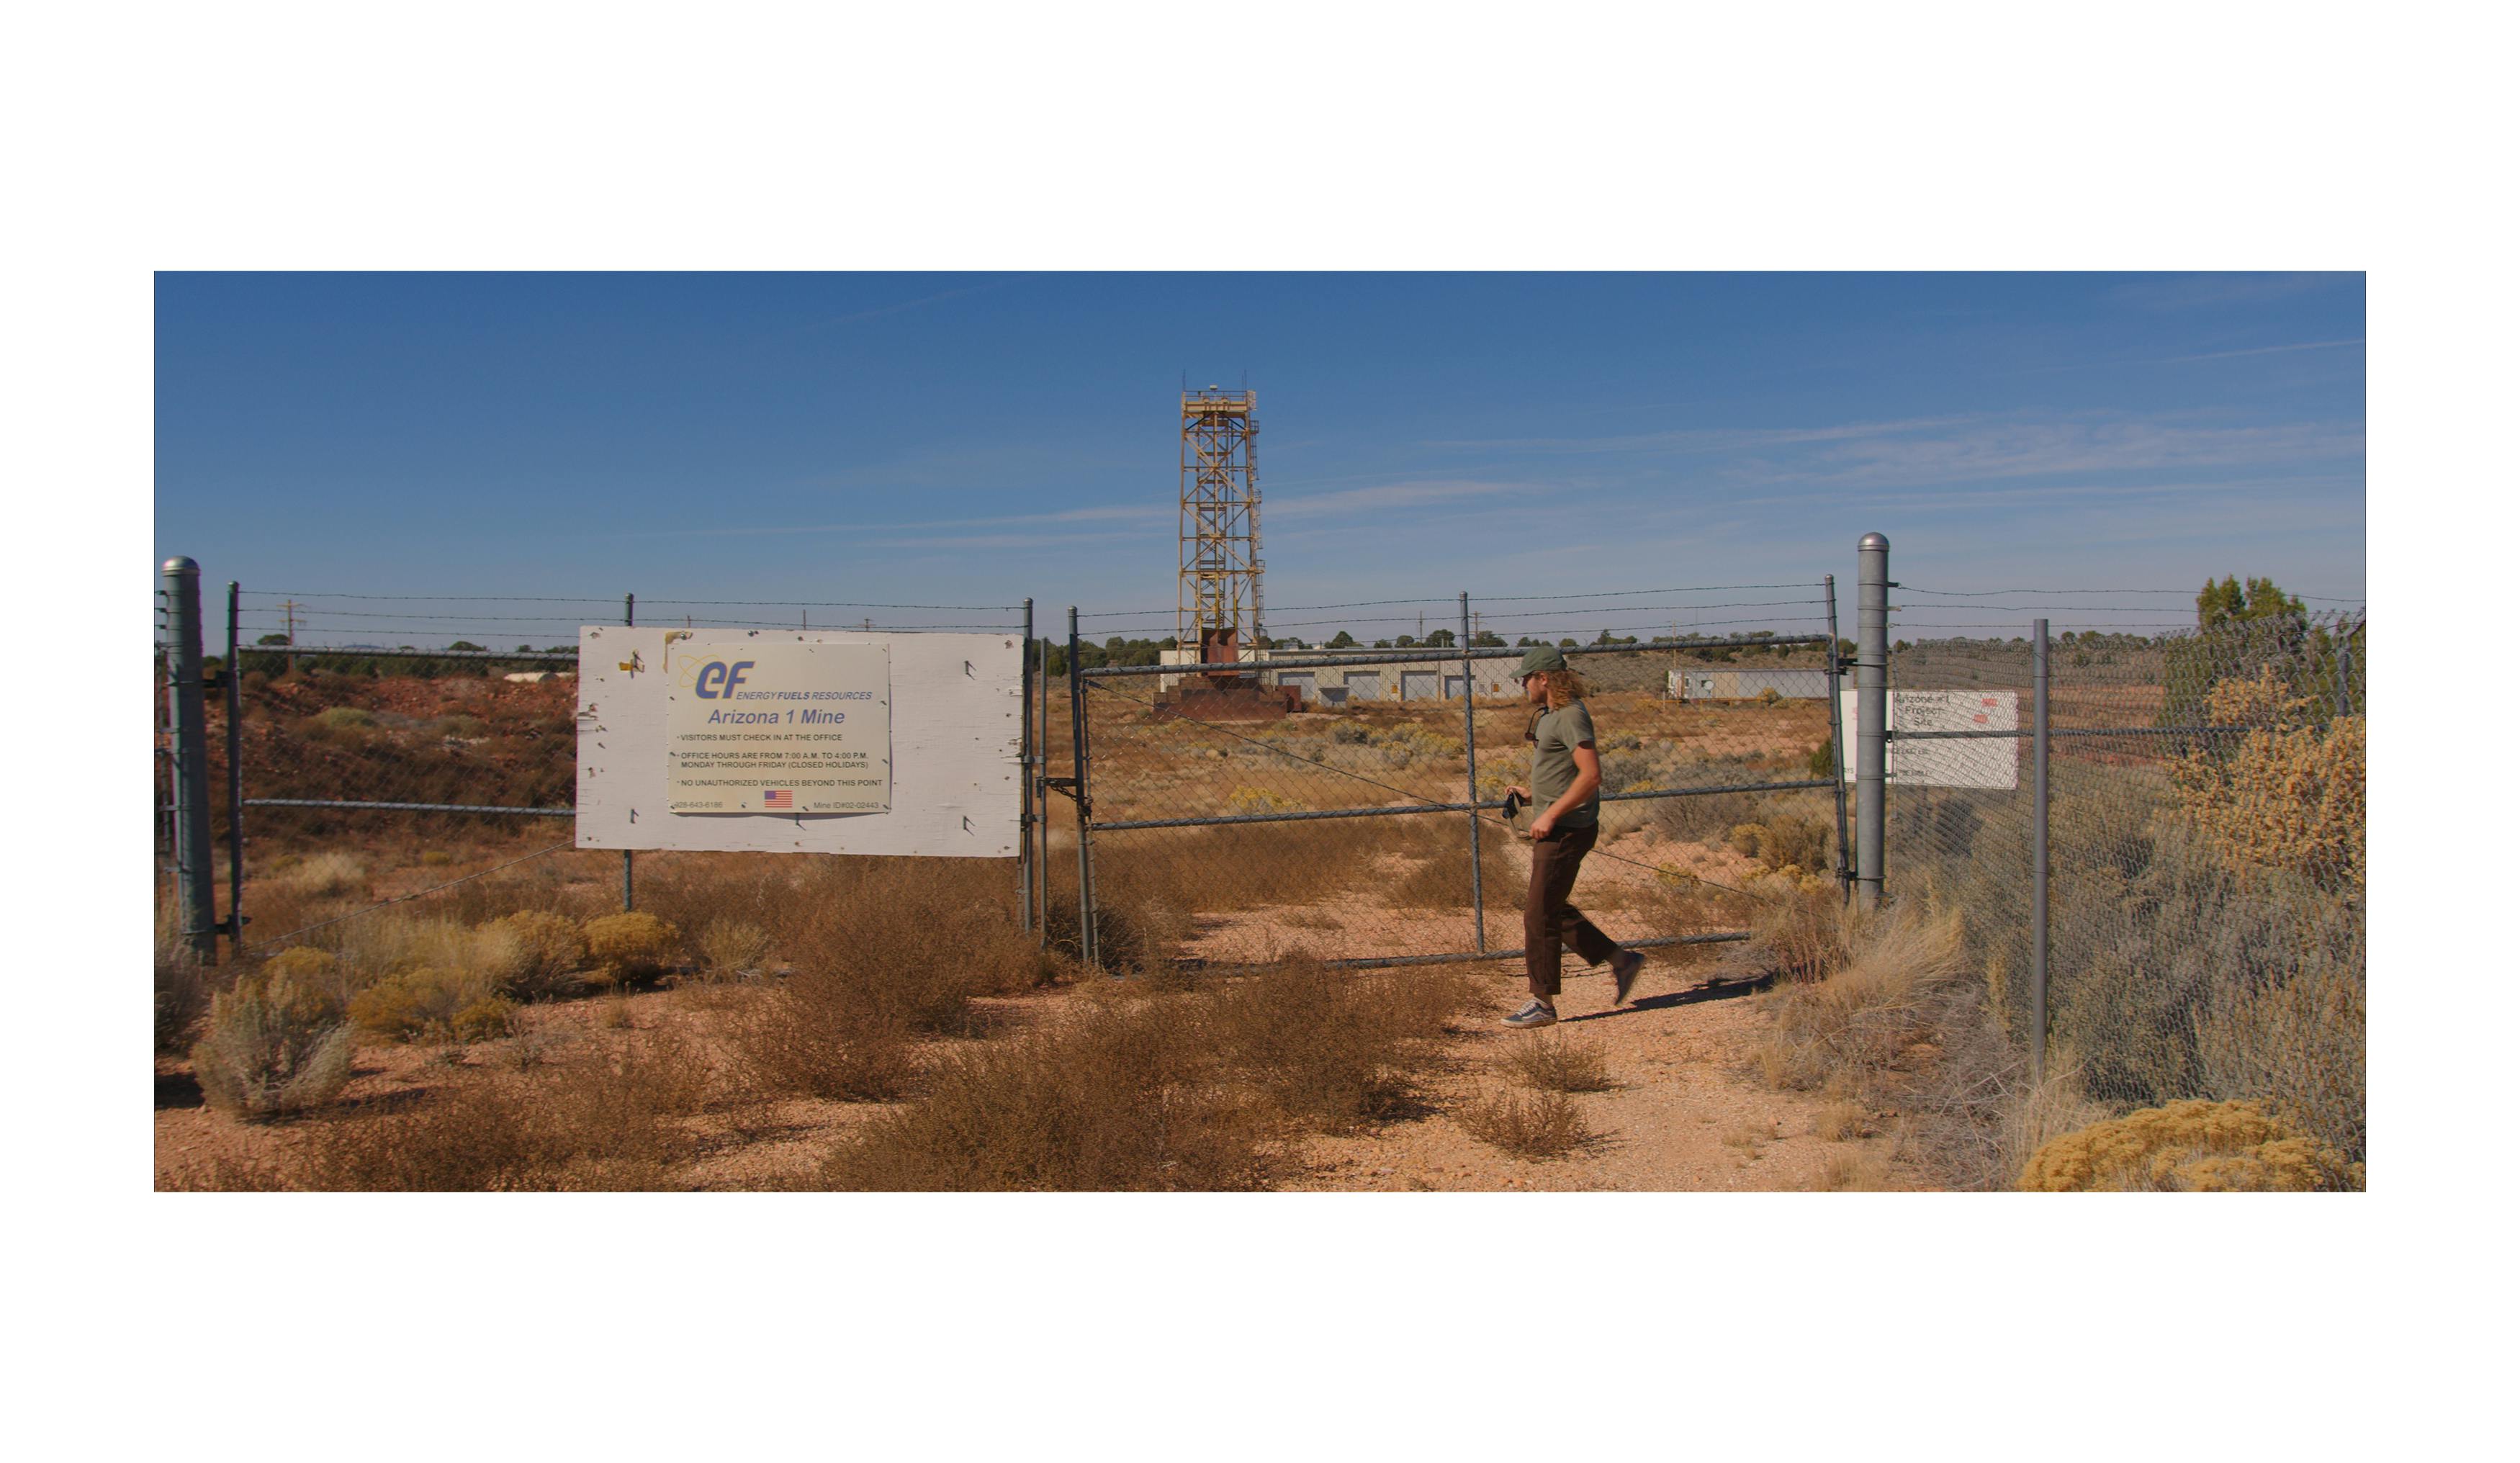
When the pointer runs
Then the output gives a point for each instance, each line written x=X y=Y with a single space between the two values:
x=1554 y=736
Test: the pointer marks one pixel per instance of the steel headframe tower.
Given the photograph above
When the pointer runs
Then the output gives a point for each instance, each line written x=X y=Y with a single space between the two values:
x=1220 y=524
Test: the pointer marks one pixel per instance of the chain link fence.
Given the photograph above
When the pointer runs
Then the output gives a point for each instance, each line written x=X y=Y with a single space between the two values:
x=2204 y=909
x=1366 y=825
x=359 y=751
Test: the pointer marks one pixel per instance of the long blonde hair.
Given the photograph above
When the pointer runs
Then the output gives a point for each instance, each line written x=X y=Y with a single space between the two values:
x=1565 y=687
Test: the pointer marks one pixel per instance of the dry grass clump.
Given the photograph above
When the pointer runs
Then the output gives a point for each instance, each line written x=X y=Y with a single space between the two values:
x=431 y=1003
x=1544 y=1124
x=533 y=954
x=2298 y=1043
x=325 y=876
x=183 y=994
x=1841 y=1120
x=606 y=1123
x=1441 y=878
x=1113 y=1102
x=874 y=969
x=732 y=947
x=1804 y=936
x=627 y=949
x=808 y=1044
x=1785 y=841
x=1863 y=1019
x=275 y=1046
x=2193 y=1145
x=1554 y=1063
x=1853 y=1173
x=1324 y=1049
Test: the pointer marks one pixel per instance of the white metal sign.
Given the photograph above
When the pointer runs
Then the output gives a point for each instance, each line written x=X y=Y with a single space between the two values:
x=1993 y=762
x=824 y=741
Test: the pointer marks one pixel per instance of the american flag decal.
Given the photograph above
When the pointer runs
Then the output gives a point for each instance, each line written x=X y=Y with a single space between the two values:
x=779 y=798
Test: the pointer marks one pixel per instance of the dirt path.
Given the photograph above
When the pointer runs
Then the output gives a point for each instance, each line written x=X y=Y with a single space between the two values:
x=1689 y=1112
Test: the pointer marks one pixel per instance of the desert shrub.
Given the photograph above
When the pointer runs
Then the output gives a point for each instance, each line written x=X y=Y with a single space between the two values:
x=2190 y=1145
x=733 y=947
x=334 y=718
x=183 y=994
x=436 y=858
x=1544 y=1124
x=630 y=947
x=326 y=875
x=2287 y=795
x=796 y=1044
x=601 y=1124
x=412 y=1004
x=1440 y=879
x=1113 y=1101
x=1802 y=936
x=533 y=954
x=2297 y=1042
x=1839 y=1120
x=1554 y=1063
x=1864 y=1017
x=389 y=942
x=488 y=1019
x=274 y=1045
x=1322 y=1048
x=1705 y=820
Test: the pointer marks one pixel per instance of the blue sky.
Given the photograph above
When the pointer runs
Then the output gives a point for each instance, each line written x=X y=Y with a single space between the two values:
x=971 y=439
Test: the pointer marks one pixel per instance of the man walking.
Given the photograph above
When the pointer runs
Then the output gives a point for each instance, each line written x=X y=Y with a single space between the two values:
x=1566 y=794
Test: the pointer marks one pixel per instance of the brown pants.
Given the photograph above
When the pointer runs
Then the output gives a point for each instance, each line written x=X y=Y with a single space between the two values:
x=1547 y=917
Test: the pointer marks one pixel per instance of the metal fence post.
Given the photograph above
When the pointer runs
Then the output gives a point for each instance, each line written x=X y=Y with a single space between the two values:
x=1470 y=752
x=1023 y=819
x=2037 y=850
x=1837 y=740
x=180 y=585
x=1041 y=801
x=2343 y=672
x=236 y=785
x=629 y=883
x=1084 y=802
x=1872 y=708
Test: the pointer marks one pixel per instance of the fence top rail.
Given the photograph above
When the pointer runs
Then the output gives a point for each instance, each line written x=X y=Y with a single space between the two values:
x=1369 y=658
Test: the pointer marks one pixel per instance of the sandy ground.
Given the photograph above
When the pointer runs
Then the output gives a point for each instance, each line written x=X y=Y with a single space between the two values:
x=1688 y=1111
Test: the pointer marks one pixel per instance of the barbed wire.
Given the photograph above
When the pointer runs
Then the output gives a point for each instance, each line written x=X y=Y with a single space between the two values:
x=605 y=599
x=1476 y=600
x=1906 y=588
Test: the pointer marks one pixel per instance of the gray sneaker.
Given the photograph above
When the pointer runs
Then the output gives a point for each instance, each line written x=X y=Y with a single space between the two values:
x=1533 y=1013
x=1623 y=973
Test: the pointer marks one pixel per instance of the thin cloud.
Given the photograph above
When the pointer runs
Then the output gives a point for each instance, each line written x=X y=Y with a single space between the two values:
x=1711 y=439
x=2260 y=350
x=1383 y=496
x=909 y=304
x=1117 y=513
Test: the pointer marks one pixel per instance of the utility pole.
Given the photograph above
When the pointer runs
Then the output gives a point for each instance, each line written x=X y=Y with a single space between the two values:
x=289 y=616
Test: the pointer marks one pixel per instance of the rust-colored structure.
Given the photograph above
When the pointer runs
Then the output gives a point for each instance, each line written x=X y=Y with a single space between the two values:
x=1219 y=610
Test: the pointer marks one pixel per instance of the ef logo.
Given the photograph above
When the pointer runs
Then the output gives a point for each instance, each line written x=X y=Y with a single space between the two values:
x=718 y=680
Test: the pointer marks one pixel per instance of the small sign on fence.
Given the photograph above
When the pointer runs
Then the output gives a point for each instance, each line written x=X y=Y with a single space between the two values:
x=1991 y=761
x=818 y=742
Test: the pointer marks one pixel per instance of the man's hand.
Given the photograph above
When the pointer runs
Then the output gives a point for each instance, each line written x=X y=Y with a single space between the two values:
x=1543 y=825
x=1518 y=790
